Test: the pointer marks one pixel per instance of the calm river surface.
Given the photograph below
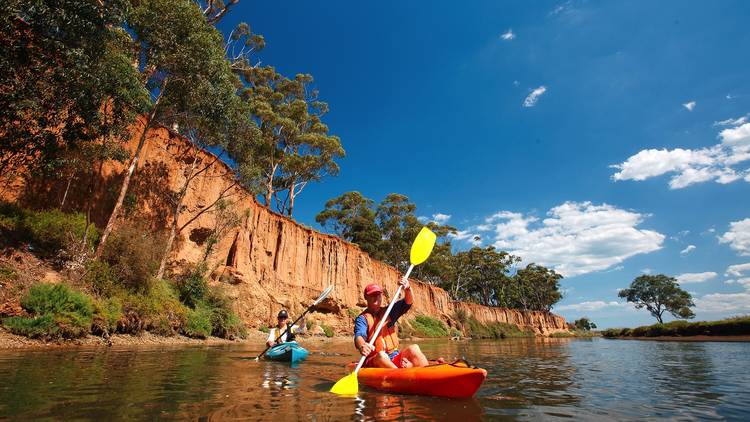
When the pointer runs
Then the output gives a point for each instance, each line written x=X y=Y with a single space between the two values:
x=528 y=379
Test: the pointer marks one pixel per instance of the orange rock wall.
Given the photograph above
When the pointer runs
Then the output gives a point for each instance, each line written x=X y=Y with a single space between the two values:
x=268 y=261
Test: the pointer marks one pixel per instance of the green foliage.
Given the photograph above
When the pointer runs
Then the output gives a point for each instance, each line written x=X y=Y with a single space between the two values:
x=264 y=329
x=455 y=332
x=461 y=316
x=353 y=312
x=309 y=324
x=56 y=311
x=725 y=327
x=155 y=308
x=193 y=285
x=198 y=323
x=132 y=254
x=327 y=330
x=62 y=62
x=107 y=313
x=49 y=232
x=584 y=324
x=658 y=294
x=7 y=273
x=351 y=217
x=498 y=330
x=224 y=322
x=424 y=326
x=101 y=278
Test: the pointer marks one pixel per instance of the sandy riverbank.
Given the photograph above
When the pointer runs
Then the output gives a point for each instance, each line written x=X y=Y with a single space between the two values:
x=255 y=338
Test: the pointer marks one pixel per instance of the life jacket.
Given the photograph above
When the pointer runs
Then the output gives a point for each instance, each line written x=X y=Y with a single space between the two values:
x=289 y=334
x=388 y=337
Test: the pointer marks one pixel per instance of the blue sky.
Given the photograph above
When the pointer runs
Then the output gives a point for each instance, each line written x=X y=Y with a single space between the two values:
x=602 y=139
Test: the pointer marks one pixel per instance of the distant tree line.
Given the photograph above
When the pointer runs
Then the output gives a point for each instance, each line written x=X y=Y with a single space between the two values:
x=482 y=275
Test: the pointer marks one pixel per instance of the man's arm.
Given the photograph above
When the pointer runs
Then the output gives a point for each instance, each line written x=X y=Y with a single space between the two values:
x=408 y=296
x=360 y=336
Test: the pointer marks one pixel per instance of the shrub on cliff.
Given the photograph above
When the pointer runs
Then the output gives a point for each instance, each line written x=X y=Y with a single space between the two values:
x=107 y=314
x=497 y=330
x=424 y=326
x=157 y=309
x=224 y=322
x=193 y=286
x=56 y=311
x=132 y=252
x=198 y=324
x=48 y=232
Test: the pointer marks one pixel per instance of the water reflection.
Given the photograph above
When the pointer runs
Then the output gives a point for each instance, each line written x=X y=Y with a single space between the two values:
x=528 y=379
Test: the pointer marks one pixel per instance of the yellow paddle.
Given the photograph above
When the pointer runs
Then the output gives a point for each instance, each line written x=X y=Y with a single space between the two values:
x=420 y=251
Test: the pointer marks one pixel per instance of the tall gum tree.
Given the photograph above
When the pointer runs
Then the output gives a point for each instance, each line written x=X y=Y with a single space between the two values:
x=180 y=57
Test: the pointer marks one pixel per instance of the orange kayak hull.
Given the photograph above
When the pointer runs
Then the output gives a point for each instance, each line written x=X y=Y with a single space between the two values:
x=456 y=380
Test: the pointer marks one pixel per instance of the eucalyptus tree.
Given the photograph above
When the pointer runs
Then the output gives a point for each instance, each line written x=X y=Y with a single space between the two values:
x=351 y=217
x=181 y=61
x=535 y=287
x=399 y=226
x=67 y=80
x=658 y=294
x=309 y=151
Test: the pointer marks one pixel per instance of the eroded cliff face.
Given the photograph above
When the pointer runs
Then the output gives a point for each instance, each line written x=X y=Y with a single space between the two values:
x=266 y=261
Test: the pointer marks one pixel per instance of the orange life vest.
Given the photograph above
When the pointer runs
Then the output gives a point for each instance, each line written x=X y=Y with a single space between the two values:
x=388 y=337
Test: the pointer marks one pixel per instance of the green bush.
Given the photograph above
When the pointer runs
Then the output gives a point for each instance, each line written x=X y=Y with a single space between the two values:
x=309 y=323
x=56 y=311
x=198 y=324
x=7 y=273
x=156 y=309
x=353 y=313
x=193 y=286
x=730 y=326
x=224 y=322
x=133 y=254
x=499 y=330
x=454 y=332
x=264 y=329
x=102 y=280
x=425 y=326
x=107 y=314
x=327 y=330
x=47 y=231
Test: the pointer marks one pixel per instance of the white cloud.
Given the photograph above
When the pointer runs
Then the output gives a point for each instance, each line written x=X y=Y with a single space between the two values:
x=732 y=122
x=690 y=166
x=687 y=250
x=441 y=218
x=738 y=237
x=508 y=35
x=646 y=271
x=723 y=302
x=745 y=281
x=737 y=270
x=532 y=98
x=695 y=277
x=591 y=306
x=473 y=238
x=689 y=105
x=575 y=238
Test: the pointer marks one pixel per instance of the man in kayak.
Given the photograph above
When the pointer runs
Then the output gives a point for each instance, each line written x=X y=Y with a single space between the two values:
x=281 y=325
x=385 y=352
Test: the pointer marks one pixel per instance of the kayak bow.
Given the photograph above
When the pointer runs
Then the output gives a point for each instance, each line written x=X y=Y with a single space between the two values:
x=287 y=352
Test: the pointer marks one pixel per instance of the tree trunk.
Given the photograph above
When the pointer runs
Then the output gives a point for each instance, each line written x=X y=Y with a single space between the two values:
x=177 y=211
x=65 y=195
x=128 y=175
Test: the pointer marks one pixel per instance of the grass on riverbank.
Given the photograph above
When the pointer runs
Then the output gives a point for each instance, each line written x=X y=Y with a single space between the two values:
x=475 y=329
x=576 y=334
x=739 y=325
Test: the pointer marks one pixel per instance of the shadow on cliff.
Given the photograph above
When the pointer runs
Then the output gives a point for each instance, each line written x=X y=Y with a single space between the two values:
x=149 y=196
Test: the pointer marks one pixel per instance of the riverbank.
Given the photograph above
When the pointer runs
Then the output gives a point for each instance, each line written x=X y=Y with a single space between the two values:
x=738 y=326
x=743 y=338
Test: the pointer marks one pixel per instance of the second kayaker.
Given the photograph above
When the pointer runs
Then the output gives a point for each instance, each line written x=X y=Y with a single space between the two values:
x=281 y=325
x=385 y=352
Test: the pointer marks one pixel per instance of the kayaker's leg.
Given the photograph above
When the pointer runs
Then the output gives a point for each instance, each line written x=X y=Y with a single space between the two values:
x=380 y=360
x=414 y=354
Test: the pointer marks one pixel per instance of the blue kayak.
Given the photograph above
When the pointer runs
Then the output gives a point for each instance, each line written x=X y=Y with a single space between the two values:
x=287 y=352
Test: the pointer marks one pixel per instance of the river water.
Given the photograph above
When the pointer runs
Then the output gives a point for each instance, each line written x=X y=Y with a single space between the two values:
x=592 y=379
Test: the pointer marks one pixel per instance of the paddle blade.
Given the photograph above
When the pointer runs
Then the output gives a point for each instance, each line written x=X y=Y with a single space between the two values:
x=422 y=246
x=323 y=295
x=347 y=385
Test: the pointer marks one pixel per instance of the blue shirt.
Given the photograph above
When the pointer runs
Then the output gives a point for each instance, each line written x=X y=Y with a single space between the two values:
x=360 y=324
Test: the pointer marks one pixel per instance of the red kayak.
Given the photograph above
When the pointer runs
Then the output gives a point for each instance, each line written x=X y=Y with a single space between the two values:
x=454 y=380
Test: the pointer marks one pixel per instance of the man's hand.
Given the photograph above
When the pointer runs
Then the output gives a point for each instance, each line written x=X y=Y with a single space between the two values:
x=366 y=349
x=405 y=283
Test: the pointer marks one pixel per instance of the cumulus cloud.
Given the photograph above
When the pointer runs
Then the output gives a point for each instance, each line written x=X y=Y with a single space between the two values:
x=738 y=237
x=473 y=238
x=532 y=98
x=745 y=281
x=695 y=277
x=508 y=35
x=723 y=302
x=737 y=270
x=574 y=238
x=719 y=163
x=690 y=105
x=441 y=218
x=588 y=306
x=687 y=250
